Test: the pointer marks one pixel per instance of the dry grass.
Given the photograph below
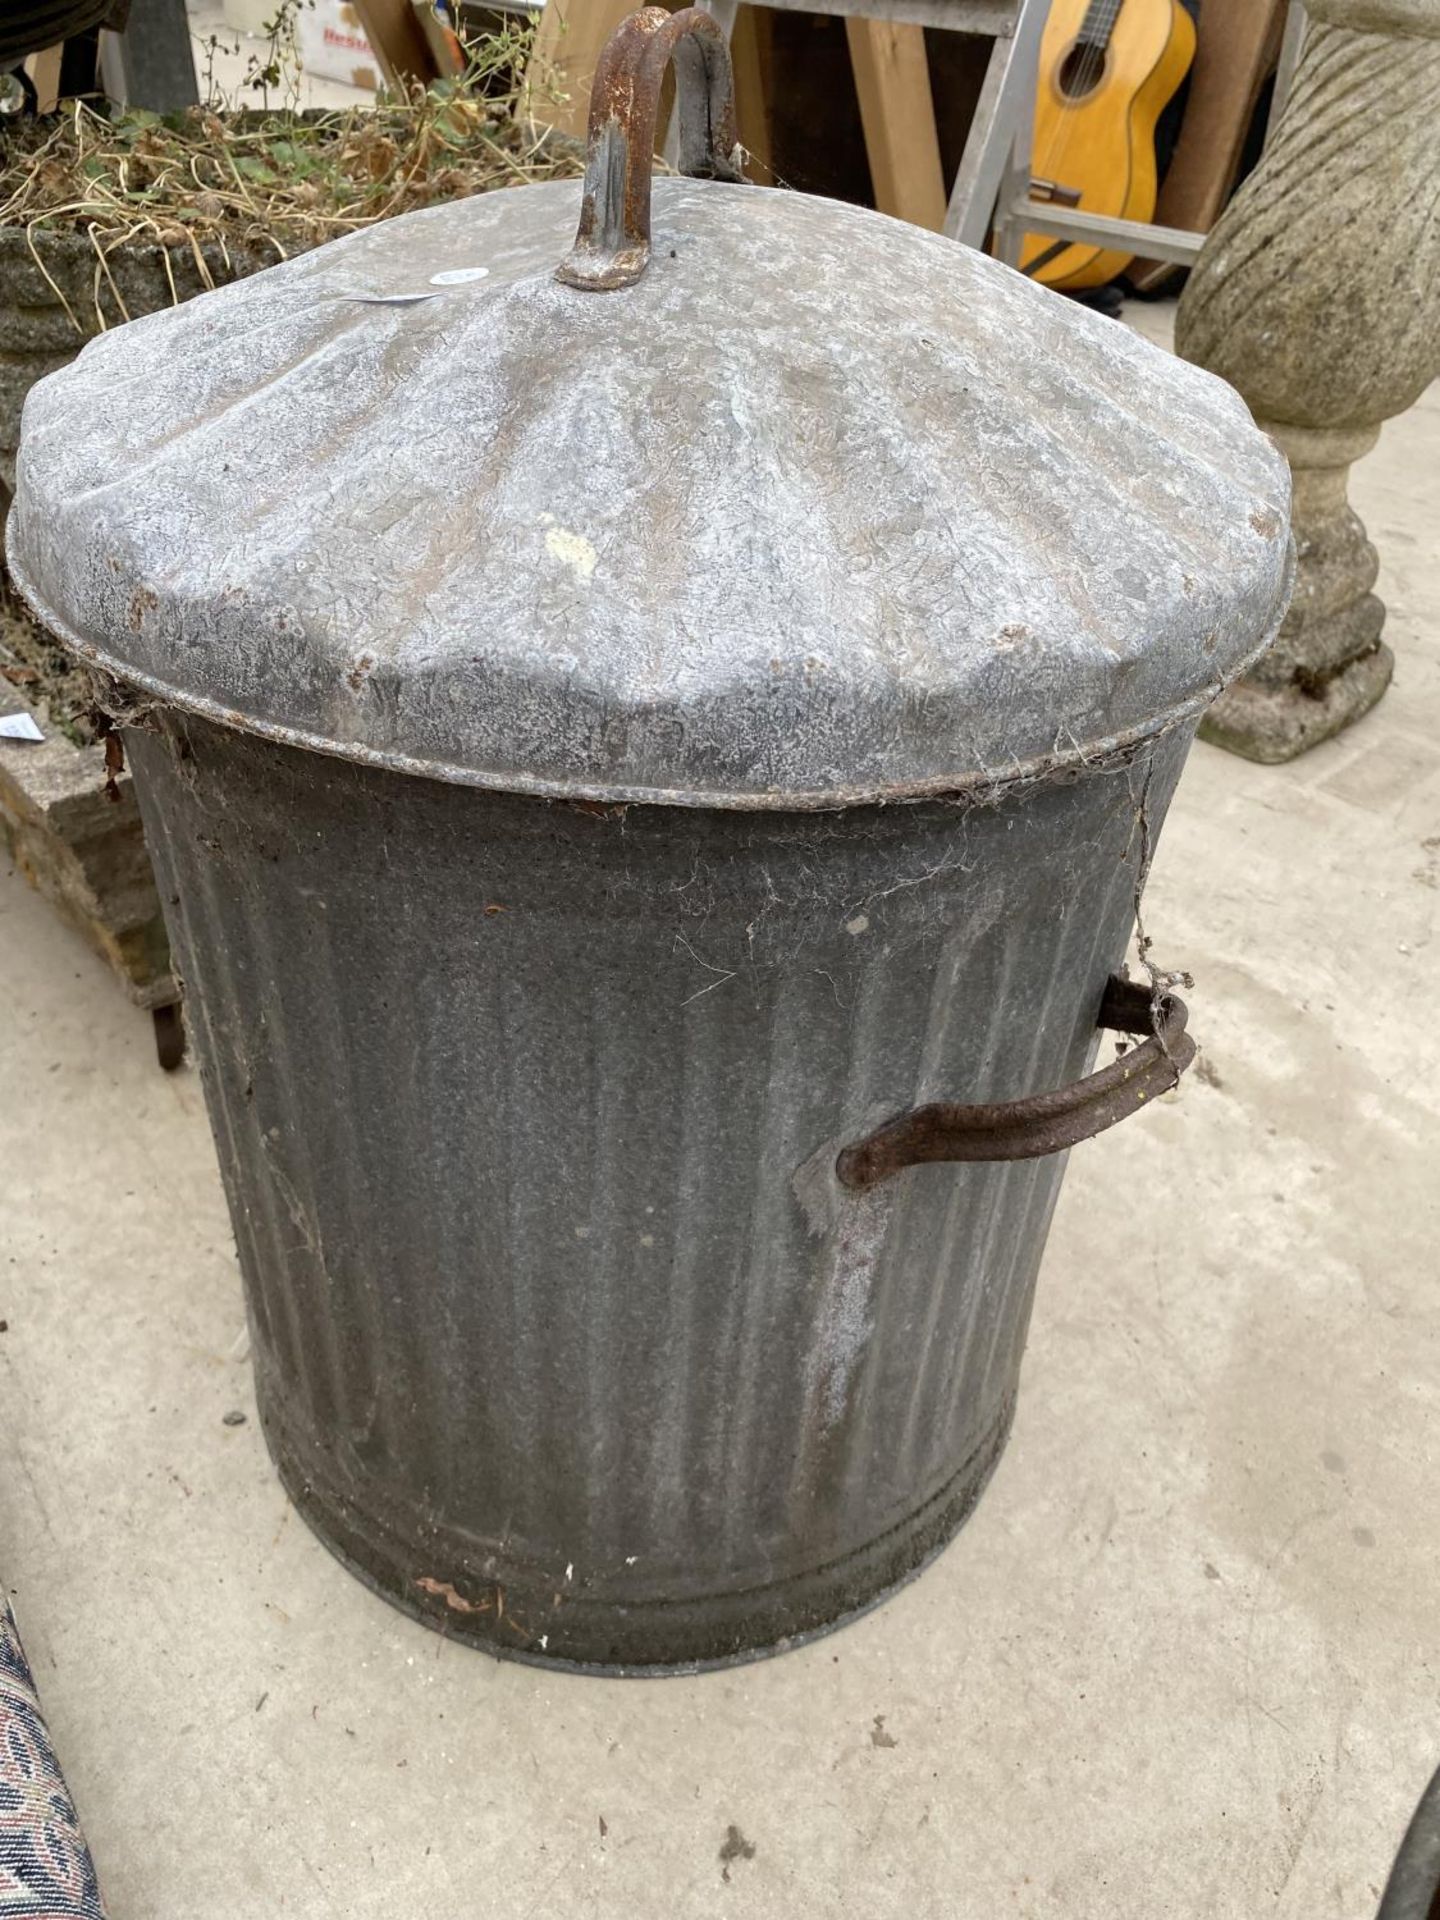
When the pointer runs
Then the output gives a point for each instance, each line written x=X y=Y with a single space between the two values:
x=276 y=181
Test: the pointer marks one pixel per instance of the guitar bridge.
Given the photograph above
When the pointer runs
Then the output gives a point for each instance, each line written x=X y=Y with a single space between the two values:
x=1051 y=193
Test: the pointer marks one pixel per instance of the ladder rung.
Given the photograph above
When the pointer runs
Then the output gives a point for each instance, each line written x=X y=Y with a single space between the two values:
x=1175 y=244
x=995 y=18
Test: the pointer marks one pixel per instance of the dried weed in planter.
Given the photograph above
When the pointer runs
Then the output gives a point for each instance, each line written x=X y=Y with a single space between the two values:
x=209 y=183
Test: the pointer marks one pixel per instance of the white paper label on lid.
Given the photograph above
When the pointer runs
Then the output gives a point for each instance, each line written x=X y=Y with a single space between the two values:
x=19 y=726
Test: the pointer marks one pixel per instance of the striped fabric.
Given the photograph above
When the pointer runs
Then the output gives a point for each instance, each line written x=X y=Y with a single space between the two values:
x=45 y=1868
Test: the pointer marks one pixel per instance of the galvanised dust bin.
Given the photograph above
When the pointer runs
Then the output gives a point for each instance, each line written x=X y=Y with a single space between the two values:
x=617 y=744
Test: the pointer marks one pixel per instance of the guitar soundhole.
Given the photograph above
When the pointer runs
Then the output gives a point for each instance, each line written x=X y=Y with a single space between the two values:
x=1081 y=71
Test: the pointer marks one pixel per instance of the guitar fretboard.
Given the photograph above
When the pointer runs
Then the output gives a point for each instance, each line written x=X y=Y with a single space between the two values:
x=1099 y=22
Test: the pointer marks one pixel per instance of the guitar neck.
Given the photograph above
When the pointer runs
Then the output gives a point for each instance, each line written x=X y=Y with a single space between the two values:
x=1099 y=23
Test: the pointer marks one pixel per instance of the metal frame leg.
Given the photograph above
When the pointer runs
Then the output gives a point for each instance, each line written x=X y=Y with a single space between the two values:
x=998 y=149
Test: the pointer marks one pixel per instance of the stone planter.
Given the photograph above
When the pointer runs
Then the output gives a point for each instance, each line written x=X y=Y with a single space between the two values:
x=85 y=852
x=55 y=294
x=82 y=849
x=1314 y=296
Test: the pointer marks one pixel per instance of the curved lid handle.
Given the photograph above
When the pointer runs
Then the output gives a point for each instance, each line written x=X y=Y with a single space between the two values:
x=612 y=244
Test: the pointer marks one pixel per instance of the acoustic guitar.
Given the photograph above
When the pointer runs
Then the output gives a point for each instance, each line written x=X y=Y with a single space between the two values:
x=1108 y=70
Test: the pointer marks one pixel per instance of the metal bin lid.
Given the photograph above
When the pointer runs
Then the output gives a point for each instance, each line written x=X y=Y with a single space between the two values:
x=818 y=509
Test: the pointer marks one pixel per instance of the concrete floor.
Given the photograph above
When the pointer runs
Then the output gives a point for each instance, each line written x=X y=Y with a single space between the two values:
x=1182 y=1660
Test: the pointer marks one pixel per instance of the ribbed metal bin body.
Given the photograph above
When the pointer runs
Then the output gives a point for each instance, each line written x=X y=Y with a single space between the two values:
x=511 y=1097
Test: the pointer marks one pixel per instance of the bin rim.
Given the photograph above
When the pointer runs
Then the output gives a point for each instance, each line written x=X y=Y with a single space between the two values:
x=141 y=694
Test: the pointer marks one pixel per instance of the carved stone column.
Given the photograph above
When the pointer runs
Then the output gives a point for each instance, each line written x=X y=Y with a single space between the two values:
x=1317 y=294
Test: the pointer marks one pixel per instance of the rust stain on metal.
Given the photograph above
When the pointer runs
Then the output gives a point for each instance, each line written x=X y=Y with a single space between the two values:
x=1042 y=1123
x=601 y=809
x=457 y=1603
x=1266 y=522
x=141 y=602
x=107 y=731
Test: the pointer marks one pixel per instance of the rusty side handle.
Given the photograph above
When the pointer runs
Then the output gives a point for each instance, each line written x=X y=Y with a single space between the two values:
x=612 y=244
x=1045 y=1122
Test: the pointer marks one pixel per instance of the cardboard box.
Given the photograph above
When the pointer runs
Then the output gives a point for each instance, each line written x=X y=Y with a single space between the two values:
x=333 y=46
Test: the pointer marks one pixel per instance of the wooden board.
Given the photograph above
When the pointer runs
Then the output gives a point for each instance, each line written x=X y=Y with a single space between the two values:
x=1237 y=44
x=816 y=143
x=43 y=70
x=892 y=80
x=568 y=44
x=399 y=40
x=752 y=55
